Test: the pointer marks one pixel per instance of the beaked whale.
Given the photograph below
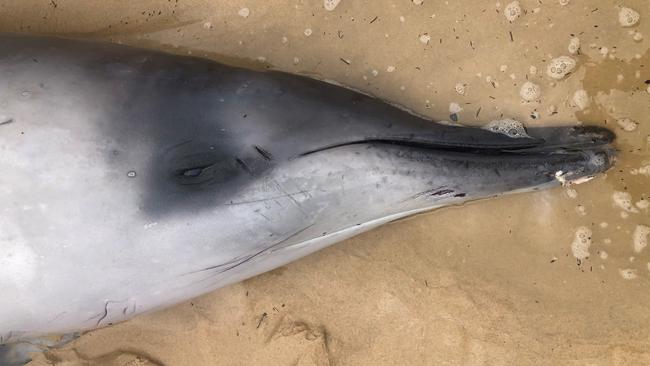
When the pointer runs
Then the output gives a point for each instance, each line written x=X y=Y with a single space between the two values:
x=134 y=179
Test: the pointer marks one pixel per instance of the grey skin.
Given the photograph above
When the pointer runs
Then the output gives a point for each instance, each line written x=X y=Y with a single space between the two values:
x=133 y=180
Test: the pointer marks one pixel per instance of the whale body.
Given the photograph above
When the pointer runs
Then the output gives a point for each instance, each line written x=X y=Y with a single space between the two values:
x=134 y=179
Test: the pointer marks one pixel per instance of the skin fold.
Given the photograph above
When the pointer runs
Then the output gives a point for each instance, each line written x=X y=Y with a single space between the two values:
x=133 y=180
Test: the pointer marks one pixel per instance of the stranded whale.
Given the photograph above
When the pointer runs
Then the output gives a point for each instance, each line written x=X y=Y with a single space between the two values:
x=133 y=179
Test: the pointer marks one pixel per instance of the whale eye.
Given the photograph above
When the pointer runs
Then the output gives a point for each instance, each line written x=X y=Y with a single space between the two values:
x=194 y=172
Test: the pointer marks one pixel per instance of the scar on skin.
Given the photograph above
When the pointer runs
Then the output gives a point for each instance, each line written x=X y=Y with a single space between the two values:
x=6 y=121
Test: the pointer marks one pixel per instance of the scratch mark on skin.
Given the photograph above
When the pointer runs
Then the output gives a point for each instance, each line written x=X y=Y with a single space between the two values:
x=177 y=145
x=266 y=199
x=223 y=267
x=290 y=196
x=306 y=193
x=243 y=165
x=265 y=154
x=57 y=316
x=442 y=192
x=126 y=308
x=432 y=192
x=103 y=316
x=261 y=214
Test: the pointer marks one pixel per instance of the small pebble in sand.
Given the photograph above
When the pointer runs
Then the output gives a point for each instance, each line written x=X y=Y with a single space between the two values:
x=503 y=68
x=637 y=36
x=571 y=193
x=308 y=32
x=640 y=237
x=509 y=127
x=603 y=255
x=512 y=11
x=330 y=5
x=604 y=51
x=244 y=12
x=296 y=60
x=628 y=273
x=425 y=38
x=402 y=19
x=574 y=45
x=261 y=59
x=619 y=78
x=627 y=124
x=512 y=76
x=552 y=109
x=564 y=2
x=532 y=70
x=628 y=17
x=643 y=204
x=418 y=2
x=375 y=72
x=530 y=91
x=581 y=243
x=560 y=67
x=581 y=99
x=390 y=69
x=623 y=200
x=644 y=170
x=285 y=39
x=491 y=81
x=460 y=88
x=454 y=108
x=207 y=25
x=603 y=224
x=581 y=210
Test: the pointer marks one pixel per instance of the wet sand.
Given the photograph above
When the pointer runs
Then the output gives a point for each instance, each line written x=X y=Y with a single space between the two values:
x=495 y=282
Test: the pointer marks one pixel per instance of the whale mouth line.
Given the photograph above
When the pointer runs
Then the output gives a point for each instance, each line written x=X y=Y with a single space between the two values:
x=423 y=144
x=539 y=147
x=540 y=141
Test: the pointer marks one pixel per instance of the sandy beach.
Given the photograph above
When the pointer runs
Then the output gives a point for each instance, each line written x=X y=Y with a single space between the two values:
x=493 y=282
